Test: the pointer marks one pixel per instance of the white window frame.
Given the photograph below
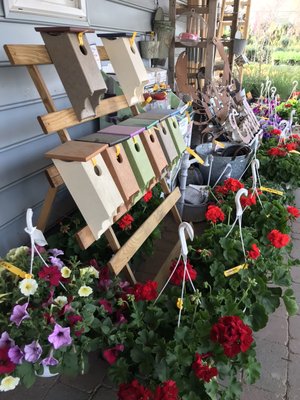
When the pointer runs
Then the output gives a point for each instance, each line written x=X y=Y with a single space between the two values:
x=51 y=8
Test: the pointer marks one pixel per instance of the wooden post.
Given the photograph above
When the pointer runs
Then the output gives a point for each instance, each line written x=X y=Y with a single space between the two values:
x=171 y=58
x=211 y=32
x=236 y=5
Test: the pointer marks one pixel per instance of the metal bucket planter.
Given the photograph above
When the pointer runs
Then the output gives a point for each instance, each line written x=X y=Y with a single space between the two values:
x=239 y=46
x=149 y=49
x=237 y=162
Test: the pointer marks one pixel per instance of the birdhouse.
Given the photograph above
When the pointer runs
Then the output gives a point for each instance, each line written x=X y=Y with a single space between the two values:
x=128 y=66
x=143 y=123
x=117 y=163
x=150 y=141
x=166 y=142
x=175 y=132
x=139 y=162
x=76 y=66
x=89 y=181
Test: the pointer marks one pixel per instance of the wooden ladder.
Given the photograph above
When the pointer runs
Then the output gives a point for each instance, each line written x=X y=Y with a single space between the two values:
x=31 y=56
x=231 y=19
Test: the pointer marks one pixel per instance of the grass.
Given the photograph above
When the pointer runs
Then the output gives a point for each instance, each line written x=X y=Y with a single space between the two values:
x=282 y=77
x=286 y=57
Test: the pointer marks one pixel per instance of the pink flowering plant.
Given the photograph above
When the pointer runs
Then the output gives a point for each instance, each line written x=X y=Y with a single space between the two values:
x=48 y=318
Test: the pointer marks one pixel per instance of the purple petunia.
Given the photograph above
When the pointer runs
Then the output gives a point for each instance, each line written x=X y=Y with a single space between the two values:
x=56 y=262
x=16 y=355
x=56 y=252
x=6 y=341
x=50 y=361
x=60 y=337
x=33 y=351
x=19 y=314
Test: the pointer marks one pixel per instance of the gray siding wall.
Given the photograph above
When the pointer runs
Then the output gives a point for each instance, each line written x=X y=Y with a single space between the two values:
x=22 y=143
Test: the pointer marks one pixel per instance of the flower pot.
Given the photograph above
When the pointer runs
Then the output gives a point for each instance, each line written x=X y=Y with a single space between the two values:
x=46 y=373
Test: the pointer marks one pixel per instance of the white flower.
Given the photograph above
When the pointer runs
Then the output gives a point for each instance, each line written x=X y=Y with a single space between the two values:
x=9 y=383
x=85 y=291
x=13 y=254
x=28 y=286
x=61 y=301
x=65 y=272
x=89 y=270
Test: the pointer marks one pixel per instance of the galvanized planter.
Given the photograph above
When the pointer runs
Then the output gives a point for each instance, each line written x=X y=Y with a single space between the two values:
x=238 y=163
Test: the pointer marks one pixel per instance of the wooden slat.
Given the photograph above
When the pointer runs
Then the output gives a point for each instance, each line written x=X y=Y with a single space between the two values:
x=46 y=97
x=138 y=238
x=85 y=239
x=67 y=118
x=36 y=54
x=46 y=208
x=53 y=176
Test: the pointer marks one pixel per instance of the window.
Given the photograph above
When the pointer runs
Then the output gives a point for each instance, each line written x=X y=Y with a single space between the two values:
x=67 y=9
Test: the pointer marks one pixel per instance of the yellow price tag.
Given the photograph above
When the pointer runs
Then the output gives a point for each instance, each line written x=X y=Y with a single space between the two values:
x=294 y=152
x=179 y=303
x=220 y=144
x=195 y=155
x=235 y=270
x=155 y=87
x=94 y=162
x=14 y=270
x=274 y=191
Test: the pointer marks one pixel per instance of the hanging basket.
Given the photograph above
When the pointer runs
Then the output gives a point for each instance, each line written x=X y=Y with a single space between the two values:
x=239 y=46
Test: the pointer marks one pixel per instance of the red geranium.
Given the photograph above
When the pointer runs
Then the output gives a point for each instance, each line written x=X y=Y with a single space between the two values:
x=278 y=239
x=148 y=196
x=293 y=211
x=288 y=105
x=275 y=131
x=249 y=200
x=276 y=152
x=254 y=253
x=166 y=391
x=229 y=185
x=125 y=222
x=214 y=214
x=232 y=334
x=133 y=391
x=6 y=366
x=203 y=371
x=291 y=146
x=50 y=274
x=111 y=355
x=178 y=274
x=295 y=136
x=233 y=185
x=147 y=291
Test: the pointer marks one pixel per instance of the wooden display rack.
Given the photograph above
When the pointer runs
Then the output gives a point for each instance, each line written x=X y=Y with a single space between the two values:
x=32 y=56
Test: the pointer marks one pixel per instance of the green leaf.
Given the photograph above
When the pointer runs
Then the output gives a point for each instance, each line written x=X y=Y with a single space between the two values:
x=26 y=373
x=161 y=370
x=290 y=302
x=119 y=371
x=252 y=372
x=282 y=276
x=259 y=317
x=137 y=354
x=212 y=389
